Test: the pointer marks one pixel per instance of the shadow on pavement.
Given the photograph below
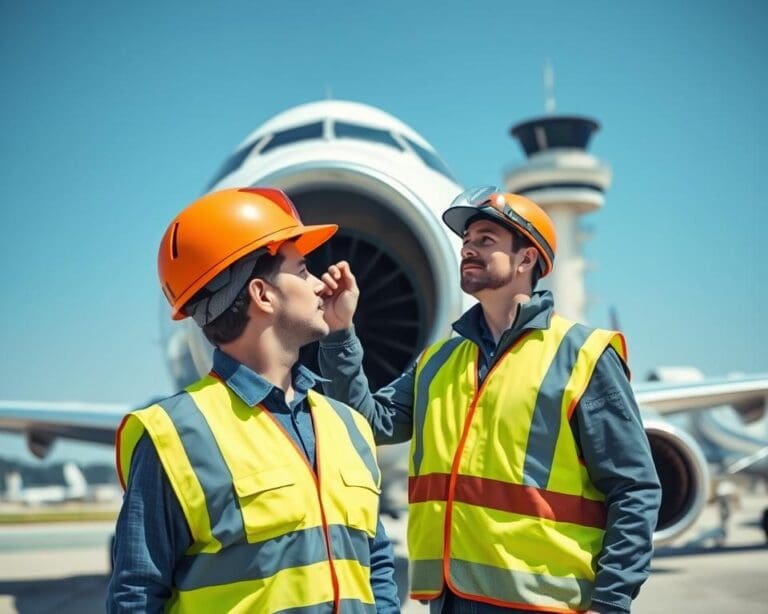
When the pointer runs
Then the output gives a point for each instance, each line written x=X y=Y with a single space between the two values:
x=77 y=594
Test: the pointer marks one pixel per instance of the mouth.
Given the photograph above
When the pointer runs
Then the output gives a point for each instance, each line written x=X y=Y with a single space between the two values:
x=471 y=266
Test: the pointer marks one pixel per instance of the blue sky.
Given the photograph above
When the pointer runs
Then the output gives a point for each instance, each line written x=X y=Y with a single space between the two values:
x=115 y=115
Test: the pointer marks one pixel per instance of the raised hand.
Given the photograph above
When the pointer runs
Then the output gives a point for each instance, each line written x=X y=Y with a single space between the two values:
x=340 y=294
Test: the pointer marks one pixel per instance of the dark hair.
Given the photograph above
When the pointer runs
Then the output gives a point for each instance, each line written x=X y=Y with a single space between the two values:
x=231 y=324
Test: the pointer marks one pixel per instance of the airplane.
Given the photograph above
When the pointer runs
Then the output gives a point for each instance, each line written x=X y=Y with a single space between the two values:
x=75 y=488
x=386 y=187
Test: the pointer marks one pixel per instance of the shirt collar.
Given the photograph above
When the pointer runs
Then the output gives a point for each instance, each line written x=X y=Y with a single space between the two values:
x=251 y=387
x=533 y=315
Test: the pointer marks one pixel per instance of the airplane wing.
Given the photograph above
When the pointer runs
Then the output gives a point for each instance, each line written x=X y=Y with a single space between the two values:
x=44 y=422
x=746 y=395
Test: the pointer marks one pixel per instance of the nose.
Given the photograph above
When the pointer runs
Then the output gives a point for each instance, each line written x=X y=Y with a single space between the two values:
x=317 y=285
x=467 y=250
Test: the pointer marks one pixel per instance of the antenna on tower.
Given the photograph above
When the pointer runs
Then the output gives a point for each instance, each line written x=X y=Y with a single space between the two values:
x=549 y=87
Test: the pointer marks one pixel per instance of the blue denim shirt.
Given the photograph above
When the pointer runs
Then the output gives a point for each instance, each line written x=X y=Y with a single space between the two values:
x=607 y=427
x=152 y=534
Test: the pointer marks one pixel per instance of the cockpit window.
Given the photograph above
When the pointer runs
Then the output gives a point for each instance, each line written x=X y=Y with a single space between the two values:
x=430 y=158
x=344 y=130
x=293 y=135
x=233 y=162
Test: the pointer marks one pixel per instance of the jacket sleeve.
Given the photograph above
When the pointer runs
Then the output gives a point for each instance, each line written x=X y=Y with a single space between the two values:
x=150 y=536
x=389 y=411
x=383 y=573
x=618 y=458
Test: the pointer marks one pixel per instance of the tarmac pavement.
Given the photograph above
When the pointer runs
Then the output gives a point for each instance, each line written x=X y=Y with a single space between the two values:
x=62 y=568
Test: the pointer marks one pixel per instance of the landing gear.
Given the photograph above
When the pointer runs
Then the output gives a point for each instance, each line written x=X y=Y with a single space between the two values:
x=726 y=495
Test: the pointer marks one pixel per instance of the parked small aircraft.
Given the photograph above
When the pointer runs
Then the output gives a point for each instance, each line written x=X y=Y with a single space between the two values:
x=74 y=488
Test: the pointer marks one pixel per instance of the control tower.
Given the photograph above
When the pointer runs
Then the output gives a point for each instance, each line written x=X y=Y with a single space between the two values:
x=560 y=176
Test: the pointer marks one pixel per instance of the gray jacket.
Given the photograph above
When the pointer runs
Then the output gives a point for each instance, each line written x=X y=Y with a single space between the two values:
x=606 y=425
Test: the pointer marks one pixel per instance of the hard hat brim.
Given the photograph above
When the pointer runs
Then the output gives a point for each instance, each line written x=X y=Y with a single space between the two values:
x=308 y=238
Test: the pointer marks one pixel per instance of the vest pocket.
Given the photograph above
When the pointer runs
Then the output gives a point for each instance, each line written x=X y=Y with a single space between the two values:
x=270 y=502
x=362 y=500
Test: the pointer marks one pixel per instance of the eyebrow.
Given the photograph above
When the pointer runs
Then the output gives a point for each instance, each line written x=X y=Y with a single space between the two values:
x=482 y=230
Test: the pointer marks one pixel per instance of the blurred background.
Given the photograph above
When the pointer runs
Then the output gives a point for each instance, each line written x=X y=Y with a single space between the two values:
x=115 y=116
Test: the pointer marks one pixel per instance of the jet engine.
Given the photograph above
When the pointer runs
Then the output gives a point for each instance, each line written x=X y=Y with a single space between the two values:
x=39 y=442
x=683 y=474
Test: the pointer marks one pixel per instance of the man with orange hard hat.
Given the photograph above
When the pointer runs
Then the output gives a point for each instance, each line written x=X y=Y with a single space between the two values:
x=248 y=491
x=531 y=483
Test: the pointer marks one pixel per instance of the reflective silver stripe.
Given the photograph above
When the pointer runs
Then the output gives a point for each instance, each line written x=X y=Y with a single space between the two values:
x=350 y=544
x=521 y=588
x=423 y=380
x=426 y=575
x=209 y=466
x=264 y=559
x=547 y=414
x=358 y=441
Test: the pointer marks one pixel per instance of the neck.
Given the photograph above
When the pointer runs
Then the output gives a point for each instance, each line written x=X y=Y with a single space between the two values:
x=500 y=308
x=263 y=353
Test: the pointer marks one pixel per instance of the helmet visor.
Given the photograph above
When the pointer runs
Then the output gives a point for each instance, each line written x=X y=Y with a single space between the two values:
x=490 y=199
x=475 y=197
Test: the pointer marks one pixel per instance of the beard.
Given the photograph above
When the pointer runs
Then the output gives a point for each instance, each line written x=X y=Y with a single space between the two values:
x=475 y=280
x=298 y=329
x=297 y=332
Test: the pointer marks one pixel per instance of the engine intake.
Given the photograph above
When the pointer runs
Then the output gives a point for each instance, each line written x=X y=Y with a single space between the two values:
x=684 y=478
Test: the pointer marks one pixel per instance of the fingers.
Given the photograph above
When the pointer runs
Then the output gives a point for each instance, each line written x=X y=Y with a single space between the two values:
x=323 y=290
x=331 y=285
x=342 y=271
x=337 y=279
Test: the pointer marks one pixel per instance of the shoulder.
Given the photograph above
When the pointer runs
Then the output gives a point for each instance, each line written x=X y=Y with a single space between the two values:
x=611 y=365
x=169 y=403
x=441 y=349
x=590 y=340
x=146 y=470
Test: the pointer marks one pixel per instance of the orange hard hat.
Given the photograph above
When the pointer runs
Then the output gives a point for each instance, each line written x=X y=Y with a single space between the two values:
x=517 y=212
x=220 y=228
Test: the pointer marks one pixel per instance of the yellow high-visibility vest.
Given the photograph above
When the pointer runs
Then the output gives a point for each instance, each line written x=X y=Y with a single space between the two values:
x=501 y=508
x=269 y=533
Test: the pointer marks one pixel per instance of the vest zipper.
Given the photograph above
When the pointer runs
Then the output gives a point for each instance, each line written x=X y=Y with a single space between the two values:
x=457 y=461
x=316 y=479
x=326 y=532
x=454 y=473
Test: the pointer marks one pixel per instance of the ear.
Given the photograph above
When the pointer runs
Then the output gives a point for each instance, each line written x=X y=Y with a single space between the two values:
x=529 y=258
x=263 y=296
